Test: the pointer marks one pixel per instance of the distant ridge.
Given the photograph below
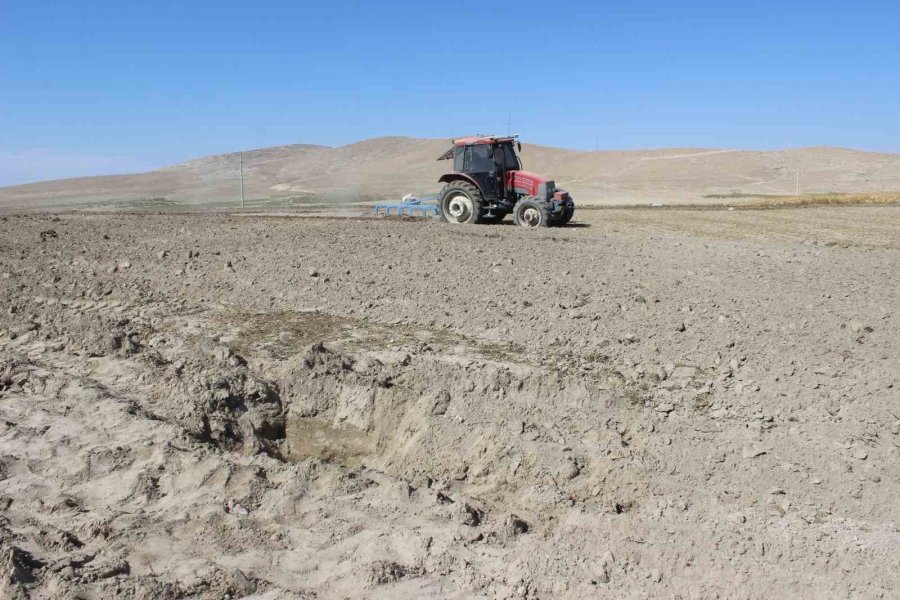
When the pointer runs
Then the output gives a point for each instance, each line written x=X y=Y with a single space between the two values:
x=390 y=167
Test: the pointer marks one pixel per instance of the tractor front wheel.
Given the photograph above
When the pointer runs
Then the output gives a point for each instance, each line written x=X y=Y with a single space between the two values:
x=460 y=202
x=531 y=212
x=567 y=213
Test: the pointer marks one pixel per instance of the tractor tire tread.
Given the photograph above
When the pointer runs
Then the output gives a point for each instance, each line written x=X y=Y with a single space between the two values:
x=531 y=201
x=469 y=190
x=566 y=216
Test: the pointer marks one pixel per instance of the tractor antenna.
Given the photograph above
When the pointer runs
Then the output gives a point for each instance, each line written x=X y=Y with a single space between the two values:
x=508 y=121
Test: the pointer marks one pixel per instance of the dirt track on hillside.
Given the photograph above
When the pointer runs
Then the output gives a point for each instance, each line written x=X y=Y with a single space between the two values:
x=676 y=404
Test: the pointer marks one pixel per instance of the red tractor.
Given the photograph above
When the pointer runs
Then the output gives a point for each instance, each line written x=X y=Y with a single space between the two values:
x=488 y=183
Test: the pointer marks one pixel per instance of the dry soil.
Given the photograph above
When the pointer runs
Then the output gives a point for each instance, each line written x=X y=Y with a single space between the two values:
x=645 y=404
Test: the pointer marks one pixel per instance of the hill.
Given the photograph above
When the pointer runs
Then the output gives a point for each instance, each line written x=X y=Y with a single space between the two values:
x=390 y=167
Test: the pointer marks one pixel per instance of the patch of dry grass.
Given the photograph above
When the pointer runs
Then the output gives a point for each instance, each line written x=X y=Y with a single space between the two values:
x=821 y=200
x=285 y=333
x=761 y=201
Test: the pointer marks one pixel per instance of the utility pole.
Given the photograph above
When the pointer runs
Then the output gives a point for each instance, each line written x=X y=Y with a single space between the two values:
x=242 y=180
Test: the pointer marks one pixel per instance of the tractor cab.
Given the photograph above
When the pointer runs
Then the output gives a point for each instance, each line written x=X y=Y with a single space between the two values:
x=486 y=160
x=487 y=183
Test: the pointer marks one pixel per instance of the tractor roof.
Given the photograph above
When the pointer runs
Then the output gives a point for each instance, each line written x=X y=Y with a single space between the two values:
x=482 y=139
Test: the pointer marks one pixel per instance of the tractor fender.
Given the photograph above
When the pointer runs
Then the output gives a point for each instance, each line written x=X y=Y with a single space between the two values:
x=449 y=177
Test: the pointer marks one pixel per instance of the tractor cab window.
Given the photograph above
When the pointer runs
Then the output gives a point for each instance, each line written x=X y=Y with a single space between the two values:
x=479 y=159
x=512 y=161
x=459 y=159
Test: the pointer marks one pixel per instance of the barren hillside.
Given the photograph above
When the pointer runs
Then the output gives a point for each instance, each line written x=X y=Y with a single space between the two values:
x=392 y=166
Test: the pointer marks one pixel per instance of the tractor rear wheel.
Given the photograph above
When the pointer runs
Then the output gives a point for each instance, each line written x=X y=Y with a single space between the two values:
x=531 y=212
x=460 y=202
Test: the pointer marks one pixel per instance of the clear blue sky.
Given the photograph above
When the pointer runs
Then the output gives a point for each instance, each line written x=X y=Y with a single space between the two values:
x=100 y=86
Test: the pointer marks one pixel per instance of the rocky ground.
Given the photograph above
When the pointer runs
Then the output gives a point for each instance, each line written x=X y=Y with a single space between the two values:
x=646 y=404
